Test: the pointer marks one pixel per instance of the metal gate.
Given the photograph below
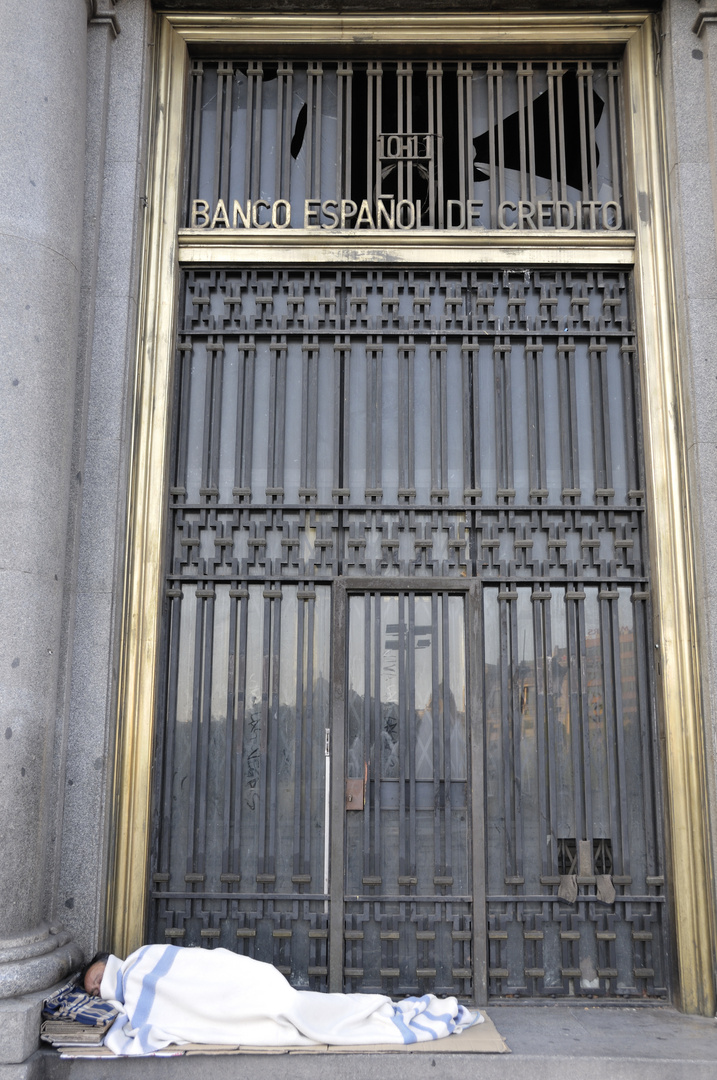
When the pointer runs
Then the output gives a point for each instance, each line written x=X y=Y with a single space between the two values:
x=412 y=833
x=406 y=552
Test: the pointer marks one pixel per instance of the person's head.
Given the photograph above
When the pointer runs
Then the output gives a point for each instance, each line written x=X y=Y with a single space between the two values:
x=91 y=975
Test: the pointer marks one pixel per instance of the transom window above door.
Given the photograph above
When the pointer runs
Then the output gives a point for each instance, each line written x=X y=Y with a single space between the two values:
x=403 y=145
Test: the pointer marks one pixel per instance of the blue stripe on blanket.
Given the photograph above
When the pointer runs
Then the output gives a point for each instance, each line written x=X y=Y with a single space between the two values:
x=443 y=1018
x=407 y=1035
x=422 y=1027
x=119 y=985
x=149 y=986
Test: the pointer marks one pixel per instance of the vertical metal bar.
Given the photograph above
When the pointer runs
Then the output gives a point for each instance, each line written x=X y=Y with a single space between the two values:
x=403 y=105
x=406 y=737
x=252 y=168
x=374 y=410
x=214 y=441
x=470 y=352
x=473 y=630
x=552 y=70
x=238 y=756
x=344 y=78
x=613 y=73
x=205 y=728
x=245 y=418
x=437 y=69
x=551 y=711
x=337 y=726
x=311 y=737
x=532 y=189
x=195 y=736
x=211 y=350
x=167 y=805
x=277 y=416
x=568 y=418
x=434 y=122
x=439 y=847
x=447 y=723
x=371 y=747
x=524 y=104
x=284 y=99
x=309 y=415
x=185 y=358
x=374 y=127
x=224 y=106
x=406 y=419
x=411 y=416
x=544 y=777
x=583 y=727
x=342 y=414
x=503 y=416
x=610 y=674
x=508 y=763
x=574 y=684
x=313 y=130
x=196 y=129
x=583 y=134
x=469 y=433
x=492 y=79
x=274 y=734
x=438 y=419
x=218 y=123
x=377 y=733
x=465 y=132
x=511 y=606
x=302 y=777
x=653 y=860
x=587 y=70
x=561 y=134
x=536 y=417
x=500 y=131
x=615 y=668
x=600 y=416
x=262 y=803
x=629 y=396
x=232 y=734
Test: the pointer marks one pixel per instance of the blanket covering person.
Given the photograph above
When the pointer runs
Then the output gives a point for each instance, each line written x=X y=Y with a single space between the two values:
x=168 y=994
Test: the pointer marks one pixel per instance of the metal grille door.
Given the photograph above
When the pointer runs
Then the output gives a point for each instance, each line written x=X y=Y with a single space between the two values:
x=460 y=452
x=409 y=884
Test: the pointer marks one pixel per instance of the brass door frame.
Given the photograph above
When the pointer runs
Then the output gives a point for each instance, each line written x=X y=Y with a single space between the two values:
x=648 y=248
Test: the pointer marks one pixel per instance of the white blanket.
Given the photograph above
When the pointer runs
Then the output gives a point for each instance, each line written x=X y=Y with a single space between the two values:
x=169 y=995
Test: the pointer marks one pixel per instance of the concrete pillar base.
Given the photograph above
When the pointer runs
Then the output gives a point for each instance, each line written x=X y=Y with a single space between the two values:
x=36 y=960
x=20 y=1016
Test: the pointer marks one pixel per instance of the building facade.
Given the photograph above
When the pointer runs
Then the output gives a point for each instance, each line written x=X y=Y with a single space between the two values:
x=358 y=438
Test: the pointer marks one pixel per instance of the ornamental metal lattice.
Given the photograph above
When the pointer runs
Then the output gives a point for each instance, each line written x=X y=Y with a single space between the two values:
x=435 y=477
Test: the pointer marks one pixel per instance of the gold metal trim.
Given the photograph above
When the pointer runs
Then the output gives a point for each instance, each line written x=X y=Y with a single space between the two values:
x=671 y=540
x=487 y=31
x=327 y=247
x=678 y=675
x=133 y=766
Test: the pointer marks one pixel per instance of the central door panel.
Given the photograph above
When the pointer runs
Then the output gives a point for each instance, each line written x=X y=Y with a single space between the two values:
x=409 y=883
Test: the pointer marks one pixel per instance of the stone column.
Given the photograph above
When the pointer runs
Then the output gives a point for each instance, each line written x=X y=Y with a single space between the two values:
x=42 y=134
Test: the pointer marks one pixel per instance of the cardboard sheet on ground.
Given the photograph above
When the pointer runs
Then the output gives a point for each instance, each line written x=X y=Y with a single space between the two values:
x=482 y=1039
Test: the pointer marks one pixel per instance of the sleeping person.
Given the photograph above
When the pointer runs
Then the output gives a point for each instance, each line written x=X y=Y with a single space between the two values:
x=166 y=994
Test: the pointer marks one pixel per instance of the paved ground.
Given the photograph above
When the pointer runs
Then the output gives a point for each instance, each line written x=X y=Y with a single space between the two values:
x=547 y=1043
